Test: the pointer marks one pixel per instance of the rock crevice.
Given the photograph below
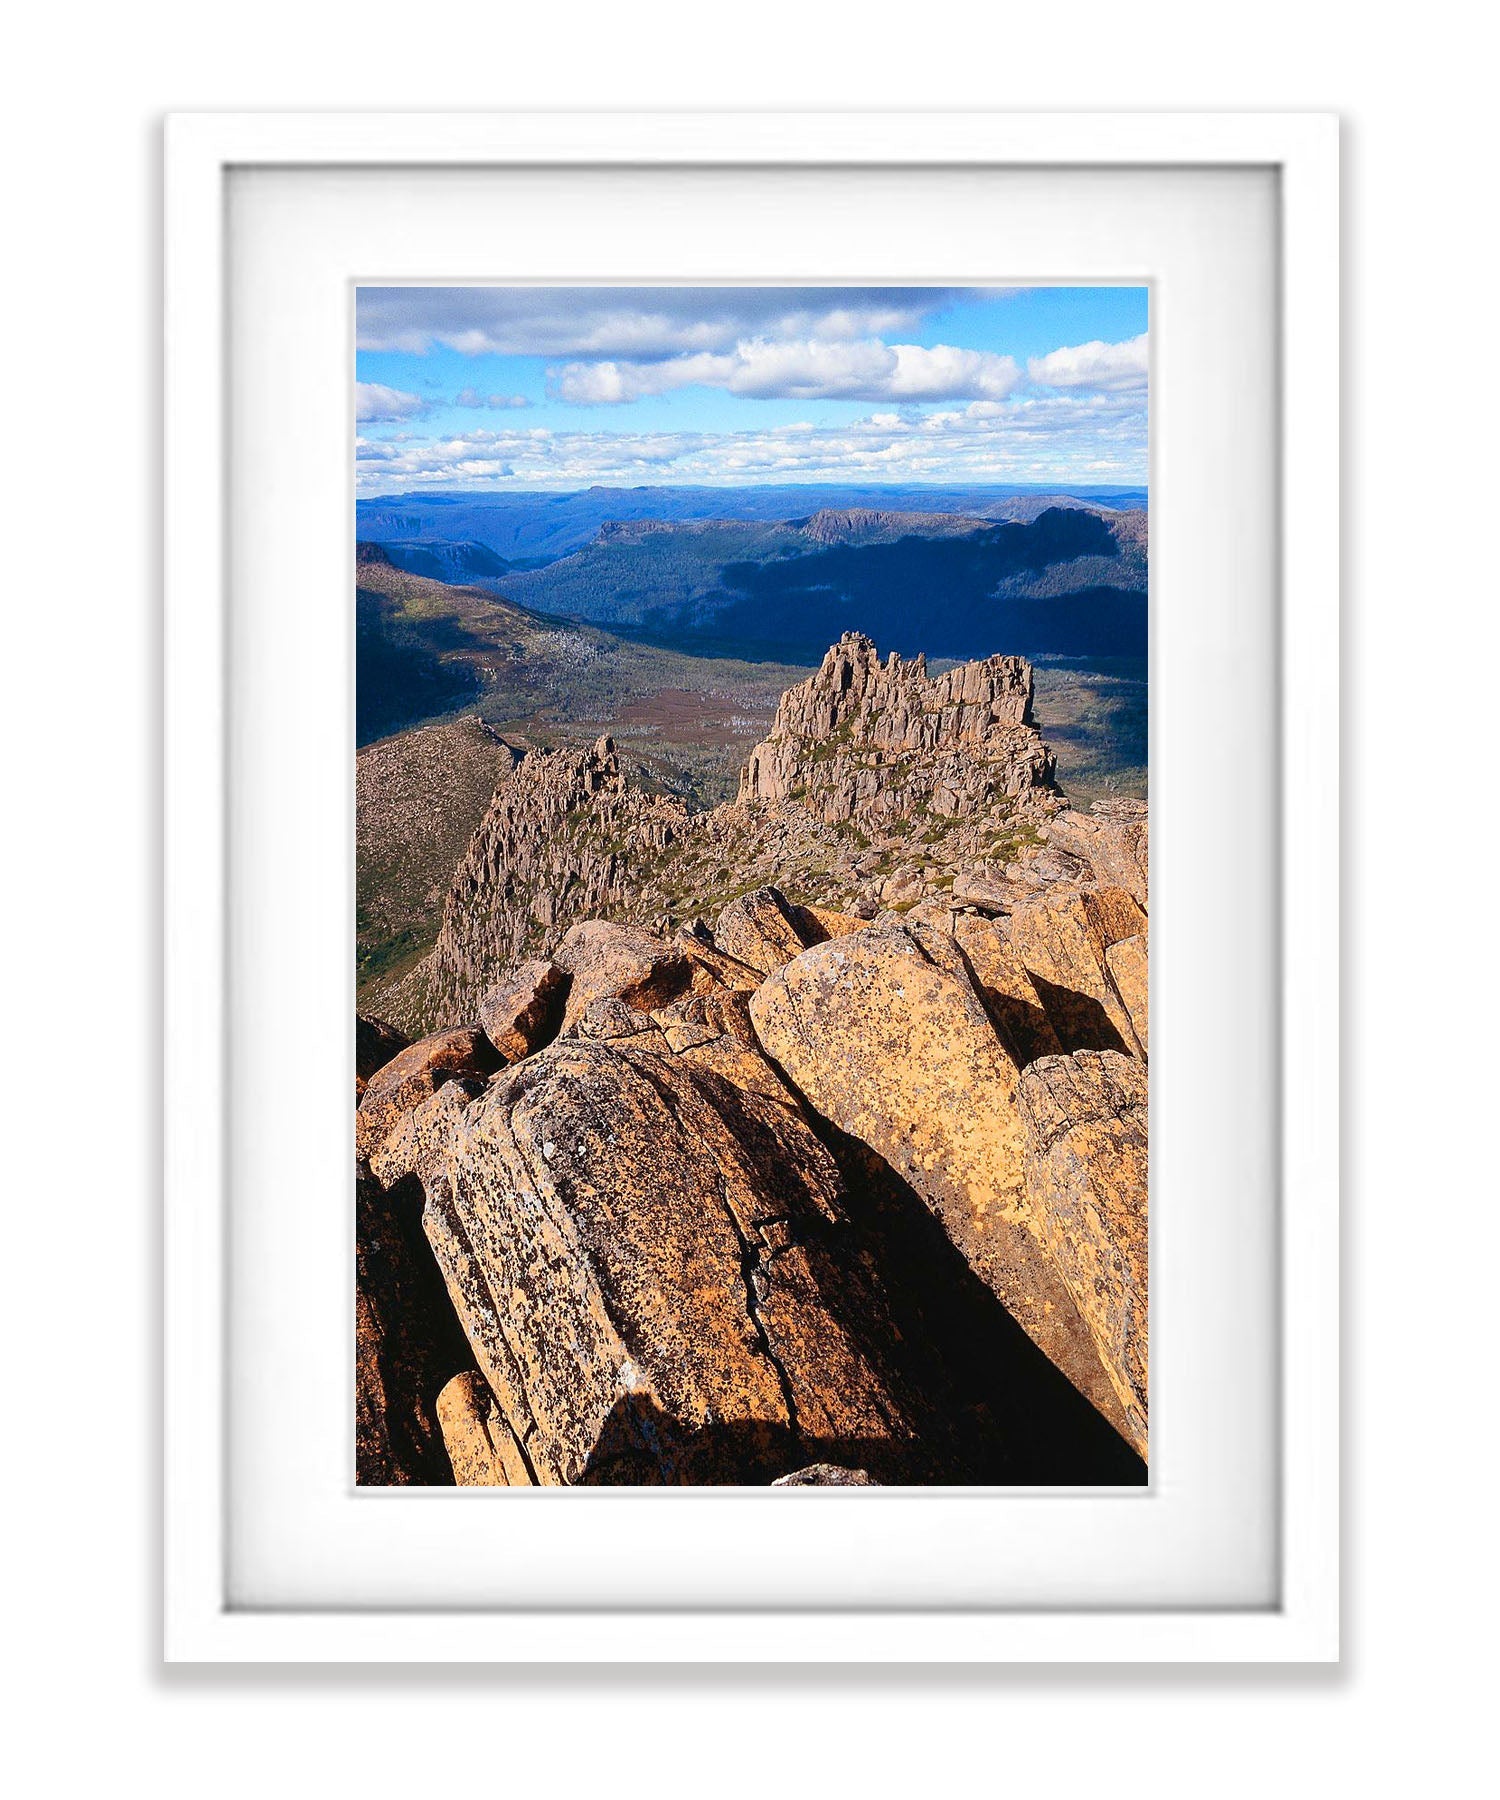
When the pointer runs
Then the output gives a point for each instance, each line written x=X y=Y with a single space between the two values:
x=677 y=1207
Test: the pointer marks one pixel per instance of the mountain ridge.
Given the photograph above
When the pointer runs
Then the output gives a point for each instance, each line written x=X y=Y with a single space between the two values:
x=802 y=1141
x=877 y=786
x=549 y=524
x=1070 y=580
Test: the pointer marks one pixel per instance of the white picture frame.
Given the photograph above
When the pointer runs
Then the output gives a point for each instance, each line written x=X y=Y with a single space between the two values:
x=202 y=1622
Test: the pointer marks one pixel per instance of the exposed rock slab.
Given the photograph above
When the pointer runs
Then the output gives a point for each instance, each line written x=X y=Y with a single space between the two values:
x=480 y=1445
x=375 y=1044
x=819 y=923
x=523 y=1010
x=1128 y=964
x=900 y=1053
x=417 y=1140
x=1062 y=941
x=645 y=1259
x=1086 y=1178
x=1009 y=993
x=1112 y=839
x=760 y=929
x=412 y=1075
x=619 y=962
x=407 y=1345
x=713 y=967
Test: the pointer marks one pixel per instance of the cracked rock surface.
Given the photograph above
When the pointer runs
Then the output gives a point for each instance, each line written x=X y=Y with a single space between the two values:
x=845 y=1188
x=646 y=1260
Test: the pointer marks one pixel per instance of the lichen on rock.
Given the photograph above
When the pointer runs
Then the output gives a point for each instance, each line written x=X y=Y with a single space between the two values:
x=799 y=1141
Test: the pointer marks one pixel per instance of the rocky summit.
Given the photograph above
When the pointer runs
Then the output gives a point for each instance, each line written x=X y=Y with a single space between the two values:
x=885 y=742
x=797 y=1142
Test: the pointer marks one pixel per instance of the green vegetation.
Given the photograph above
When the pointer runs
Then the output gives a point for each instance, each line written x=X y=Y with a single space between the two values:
x=1093 y=715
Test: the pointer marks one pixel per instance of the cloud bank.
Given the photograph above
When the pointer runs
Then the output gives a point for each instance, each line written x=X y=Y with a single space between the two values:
x=799 y=369
x=634 y=323
x=1060 y=437
x=1014 y=410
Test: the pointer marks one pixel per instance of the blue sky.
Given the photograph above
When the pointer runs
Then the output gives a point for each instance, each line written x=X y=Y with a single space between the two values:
x=507 y=388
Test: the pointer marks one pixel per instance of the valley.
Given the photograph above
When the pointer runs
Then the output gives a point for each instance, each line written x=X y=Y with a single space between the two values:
x=456 y=681
x=752 y=1003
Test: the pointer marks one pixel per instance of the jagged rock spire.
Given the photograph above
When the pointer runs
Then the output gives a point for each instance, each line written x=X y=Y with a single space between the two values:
x=863 y=738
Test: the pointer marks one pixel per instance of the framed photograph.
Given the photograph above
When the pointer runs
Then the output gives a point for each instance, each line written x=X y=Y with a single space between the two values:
x=681 y=632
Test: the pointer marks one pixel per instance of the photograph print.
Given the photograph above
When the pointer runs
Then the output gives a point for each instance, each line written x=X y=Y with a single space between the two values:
x=751 y=886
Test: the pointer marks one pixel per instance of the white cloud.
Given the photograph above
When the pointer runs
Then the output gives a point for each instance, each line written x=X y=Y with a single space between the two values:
x=1056 y=436
x=799 y=369
x=374 y=404
x=1107 y=368
x=471 y=397
x=629 y=322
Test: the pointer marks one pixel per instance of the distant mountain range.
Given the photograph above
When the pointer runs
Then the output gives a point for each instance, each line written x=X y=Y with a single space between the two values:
x=532 y=527
x=1070 y=581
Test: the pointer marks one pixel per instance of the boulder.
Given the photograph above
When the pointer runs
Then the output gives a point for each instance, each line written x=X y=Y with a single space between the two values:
x=407 y=1345
x=480 y=1445
x=1127 y=963
x=619 y=962
x=652 y=1266
x=825 y=1475
x=1113 y=839
x=410 y=1077
x=900 y=1053
x=713 y=968
x=817 y=924
x=988 y=893
x=760 y=929
x=419 y=1137
x=1009 y=993
x=1062 y=941
x=1086 y=1184
x=522 y=1011
x=375 y=1043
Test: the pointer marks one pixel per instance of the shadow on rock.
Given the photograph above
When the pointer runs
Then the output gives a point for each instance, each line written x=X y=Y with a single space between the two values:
x=1015 y=1418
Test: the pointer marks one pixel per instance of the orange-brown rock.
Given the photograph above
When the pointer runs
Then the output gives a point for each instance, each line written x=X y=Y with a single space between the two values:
x=879 y=786
x=1128 y=966
x=480 y=1445
x=706 y=1031
x=561 y=841
x=819 y=923
x=900 y=1053
x=1062 y=940
x=620 y=962
x=1007 y=990
x=375 y=1043
x=761 y=929
x=418 y=1137
x=407 y=1345
x=408 y=1078
x=1112 y=839
x=647 y=1260
x=1086 y=1182
x=712 y=967
x=523 y=1010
